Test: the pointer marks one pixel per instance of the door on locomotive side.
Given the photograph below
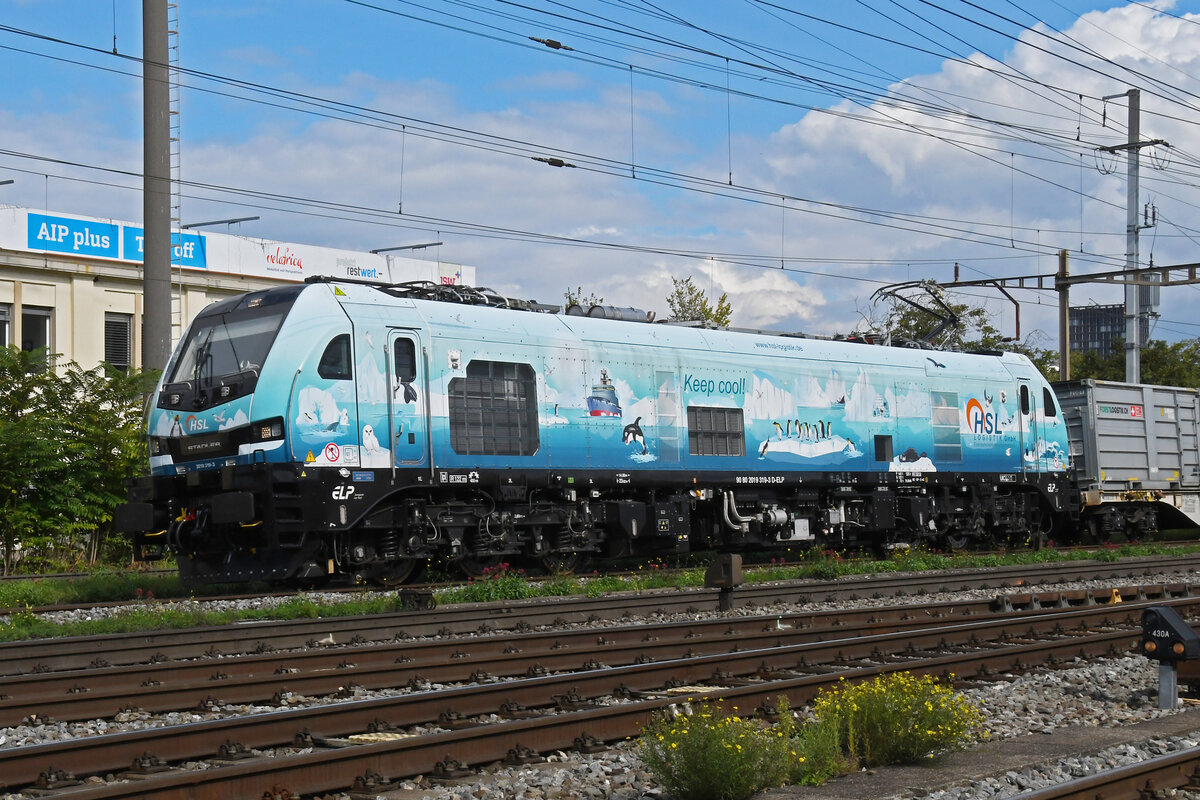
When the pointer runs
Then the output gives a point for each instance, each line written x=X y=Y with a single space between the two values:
x=1029 y=433
x=408 y=399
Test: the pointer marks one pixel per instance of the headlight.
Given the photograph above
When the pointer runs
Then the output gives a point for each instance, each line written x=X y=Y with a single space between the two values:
x=267 y=430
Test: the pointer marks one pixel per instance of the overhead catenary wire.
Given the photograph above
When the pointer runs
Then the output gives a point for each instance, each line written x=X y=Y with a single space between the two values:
x=693 y=183
x=364 y=115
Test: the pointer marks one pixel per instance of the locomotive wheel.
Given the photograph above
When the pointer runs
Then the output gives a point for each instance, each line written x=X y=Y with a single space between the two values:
x=478 y=566
x=396 y=572
x=560 y=563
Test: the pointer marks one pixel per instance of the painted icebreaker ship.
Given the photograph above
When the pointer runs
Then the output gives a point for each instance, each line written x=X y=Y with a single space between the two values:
x=602 y=402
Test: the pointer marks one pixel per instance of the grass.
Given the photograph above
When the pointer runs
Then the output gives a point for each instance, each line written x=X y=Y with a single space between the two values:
x=167 y=604
x=154 y=614
x=103 y=586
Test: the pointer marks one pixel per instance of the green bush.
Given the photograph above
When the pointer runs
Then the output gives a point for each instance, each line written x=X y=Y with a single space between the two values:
x=707 y=754
x=816 y=753
x=68 y=438
x=898 y=719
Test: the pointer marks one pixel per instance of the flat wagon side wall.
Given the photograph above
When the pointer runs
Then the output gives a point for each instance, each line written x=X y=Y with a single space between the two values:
x=1134 y=446
x=1130 y=436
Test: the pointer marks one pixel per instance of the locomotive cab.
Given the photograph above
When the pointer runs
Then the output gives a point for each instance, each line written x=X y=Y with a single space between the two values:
x=217 y=436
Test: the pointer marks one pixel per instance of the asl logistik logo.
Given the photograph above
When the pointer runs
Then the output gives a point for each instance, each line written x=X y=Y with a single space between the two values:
x=980 y=420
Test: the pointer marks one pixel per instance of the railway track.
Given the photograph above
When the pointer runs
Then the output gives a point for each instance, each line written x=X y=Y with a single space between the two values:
x=602 y=697
x=22 y=657
x=418 y=591
x=167 y=685
x=1144 y=779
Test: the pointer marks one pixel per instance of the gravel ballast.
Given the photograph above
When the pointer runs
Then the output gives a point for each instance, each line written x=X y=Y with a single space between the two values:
x=1112 y=702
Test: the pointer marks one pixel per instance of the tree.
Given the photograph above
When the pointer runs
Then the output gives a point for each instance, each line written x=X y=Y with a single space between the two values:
x=1163 y=364
x=68 y=438
x=575 y=297
x=688 y=302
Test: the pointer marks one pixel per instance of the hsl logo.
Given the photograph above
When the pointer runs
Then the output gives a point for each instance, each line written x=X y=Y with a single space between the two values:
x=979 y=420
x=194 y=424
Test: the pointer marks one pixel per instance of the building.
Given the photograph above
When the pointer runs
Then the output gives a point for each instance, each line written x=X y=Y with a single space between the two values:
x=1095 y=328
x=74 y=284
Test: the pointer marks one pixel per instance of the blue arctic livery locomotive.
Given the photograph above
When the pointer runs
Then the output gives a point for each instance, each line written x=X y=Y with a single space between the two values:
x=351 y=431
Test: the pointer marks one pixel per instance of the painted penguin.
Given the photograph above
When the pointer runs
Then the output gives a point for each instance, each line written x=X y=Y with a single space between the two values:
x=410 y=394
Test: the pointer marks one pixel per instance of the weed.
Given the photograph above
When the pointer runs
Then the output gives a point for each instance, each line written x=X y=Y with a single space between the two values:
x=898 y=719
x=496 y=583
x=708 y=754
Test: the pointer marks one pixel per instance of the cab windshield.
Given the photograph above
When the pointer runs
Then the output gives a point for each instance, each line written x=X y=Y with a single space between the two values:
x=225 y=344
x=225 y=349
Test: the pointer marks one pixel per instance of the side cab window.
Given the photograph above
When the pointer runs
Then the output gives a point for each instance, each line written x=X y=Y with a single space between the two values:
x=335 y=362
x=1048 y=405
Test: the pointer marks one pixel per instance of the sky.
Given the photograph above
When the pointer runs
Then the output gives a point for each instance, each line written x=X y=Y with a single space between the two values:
x=797 y=156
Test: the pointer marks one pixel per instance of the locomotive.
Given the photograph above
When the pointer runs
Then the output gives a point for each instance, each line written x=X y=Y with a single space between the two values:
x=341 y=430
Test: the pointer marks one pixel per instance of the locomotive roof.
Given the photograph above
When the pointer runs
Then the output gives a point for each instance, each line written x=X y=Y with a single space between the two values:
x=633 y=326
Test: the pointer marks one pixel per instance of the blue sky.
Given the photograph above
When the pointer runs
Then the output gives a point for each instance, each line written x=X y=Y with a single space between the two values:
x=796 y=155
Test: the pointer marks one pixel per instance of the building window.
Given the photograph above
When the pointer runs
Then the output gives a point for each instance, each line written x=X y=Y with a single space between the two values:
x=35 y=328
x=493 y=410
x=118 y=340
x=715 y=431
x=5 y=316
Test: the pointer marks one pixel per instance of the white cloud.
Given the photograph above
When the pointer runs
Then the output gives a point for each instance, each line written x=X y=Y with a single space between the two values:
x=950 y=173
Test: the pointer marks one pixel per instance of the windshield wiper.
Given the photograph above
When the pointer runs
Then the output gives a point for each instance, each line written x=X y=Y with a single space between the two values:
x=203 y=360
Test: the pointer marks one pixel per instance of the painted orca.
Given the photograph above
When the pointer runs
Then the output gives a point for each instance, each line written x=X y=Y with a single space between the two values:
x=633 y=433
